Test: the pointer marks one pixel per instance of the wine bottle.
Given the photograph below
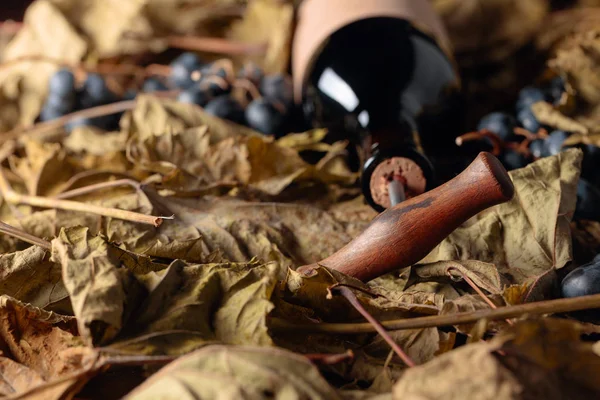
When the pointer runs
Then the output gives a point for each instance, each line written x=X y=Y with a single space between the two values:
x=379 y=73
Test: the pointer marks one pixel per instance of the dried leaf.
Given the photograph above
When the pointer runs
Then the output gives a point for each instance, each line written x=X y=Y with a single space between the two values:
x=188 y=306
x=40 y=348
x=237 y=373
x=44 y=169
x=549 y=115
x=488 y=31
x=96 y=284
x=28 y=276
x=90 y=140
x=269 y=22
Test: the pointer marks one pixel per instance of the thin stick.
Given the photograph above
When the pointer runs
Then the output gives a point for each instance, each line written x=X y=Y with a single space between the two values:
x=216 y=45
x=497 y=143
x=24 y=236
x=44 y=128
x=44 y=202
x=349 y=295
x=537 y=308
x=475 y=288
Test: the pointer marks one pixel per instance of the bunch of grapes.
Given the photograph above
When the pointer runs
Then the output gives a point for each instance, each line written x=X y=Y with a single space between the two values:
x=518 y=139
x=264 y=103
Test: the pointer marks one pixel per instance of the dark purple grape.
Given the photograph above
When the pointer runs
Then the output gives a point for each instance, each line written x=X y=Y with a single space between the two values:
x=130 y=94
x=153 y=85
x=214 y=85
x=500 y=123
x=251 y=72
x=512 y=159
x=588 y=199
x=278 y=87
x=226 y=107
x=105 y=122
x=538 y=148
x=528 y=120
x=95 y=92
x=182 y=68
x=194 y=95
x=555 y=140
x=555 y=89
x=582 y=281
x=264 y=116
x=49 y=113
x=62 y=84
x=528 y=96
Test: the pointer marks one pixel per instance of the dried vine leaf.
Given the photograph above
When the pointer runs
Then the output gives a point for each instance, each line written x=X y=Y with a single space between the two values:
x=269 y=22
x=28 y=276
x=520 y=237
x=97 y=286
x=44 y=169
x=188 y=306
x=237 y=372
x=39 y=348
x=48 y=33
x=489 y=31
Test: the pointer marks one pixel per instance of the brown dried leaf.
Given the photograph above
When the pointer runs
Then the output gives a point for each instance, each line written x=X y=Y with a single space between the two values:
x=28 y=276
x=488 y=31
x=188 y=306
x=237 y=373
x=472 y=371
x=97 y=286
x=269 y=22
x=44 y=169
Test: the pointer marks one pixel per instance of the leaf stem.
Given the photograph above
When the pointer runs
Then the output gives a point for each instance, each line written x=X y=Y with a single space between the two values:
x=349 y=295
x=537 y=308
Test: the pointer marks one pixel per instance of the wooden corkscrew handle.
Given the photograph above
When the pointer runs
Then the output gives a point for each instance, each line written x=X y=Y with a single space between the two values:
x=403 y=235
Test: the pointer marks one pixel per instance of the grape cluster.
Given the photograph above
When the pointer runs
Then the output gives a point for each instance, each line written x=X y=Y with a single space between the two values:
x=264 y=103
x=65 y=97
x=520 y=138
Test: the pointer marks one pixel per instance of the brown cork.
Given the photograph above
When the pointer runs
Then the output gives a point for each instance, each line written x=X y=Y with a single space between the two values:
x=318 y=19
x=411 y=176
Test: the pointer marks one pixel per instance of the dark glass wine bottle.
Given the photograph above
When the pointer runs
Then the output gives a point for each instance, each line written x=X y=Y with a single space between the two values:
x=371 y=76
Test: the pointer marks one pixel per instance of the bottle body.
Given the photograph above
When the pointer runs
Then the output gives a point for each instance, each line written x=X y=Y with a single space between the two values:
x=385 y=85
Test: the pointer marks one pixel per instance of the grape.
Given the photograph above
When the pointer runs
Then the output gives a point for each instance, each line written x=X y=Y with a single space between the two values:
x=252 y=72
x=212 y=70
x=182 y=68
x=528 y=121
x=95 y=92
x=263 y=116
x=130 y=94
x=49 y=113
x=555 y=140
x=194 y=95
x=538 y=148
x=215 y=86
x=105 y=122
x=512 y=159
x=153 y=85
x=226 y=107
x=500 y=123
x=62 y=84
x=278 y=87
x=582 y=281
x=528 y=96
x=555 y=89
x=588 y=198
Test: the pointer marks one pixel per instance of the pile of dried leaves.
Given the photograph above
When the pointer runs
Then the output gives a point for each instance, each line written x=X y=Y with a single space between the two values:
x=160 y=261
